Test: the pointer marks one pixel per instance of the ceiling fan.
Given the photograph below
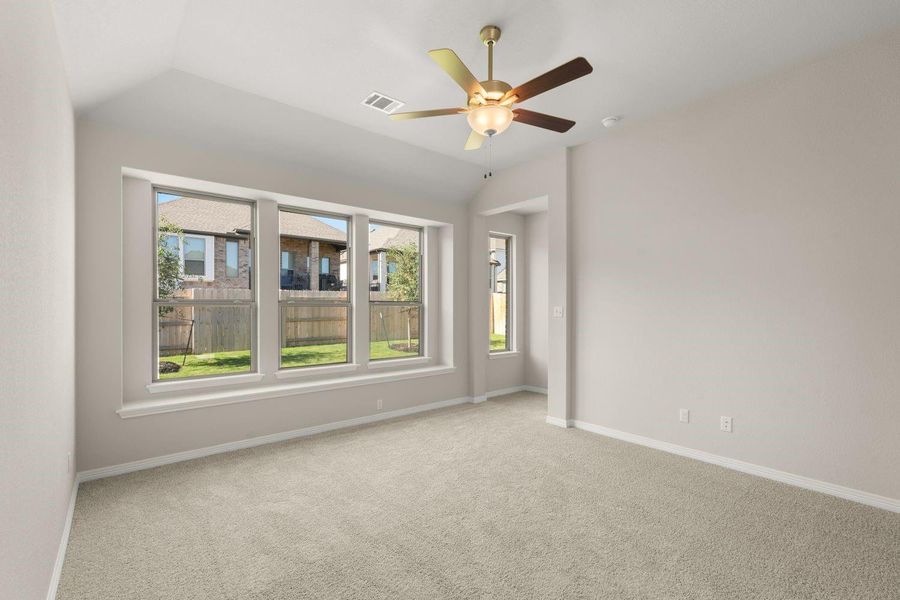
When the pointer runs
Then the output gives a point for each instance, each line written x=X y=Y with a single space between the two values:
x=489 y=103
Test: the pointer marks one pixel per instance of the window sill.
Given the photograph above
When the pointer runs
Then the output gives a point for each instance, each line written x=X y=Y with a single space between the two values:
x=399 y=362
x=219 y=398
x=313 y=371
x=504 y=354
x=161 y=387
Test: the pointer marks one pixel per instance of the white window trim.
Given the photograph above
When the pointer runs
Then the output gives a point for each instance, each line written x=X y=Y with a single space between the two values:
x=219 y=398
x=349 y=365
x=209 y=275
x=312 y=371
x=424 y=339
x=386 y=363
x=267 y=380
x=497 y=354
x=176 y=385
x=512 y=349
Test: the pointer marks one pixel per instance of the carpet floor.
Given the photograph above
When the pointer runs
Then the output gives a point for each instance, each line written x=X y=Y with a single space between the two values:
x=474 y=501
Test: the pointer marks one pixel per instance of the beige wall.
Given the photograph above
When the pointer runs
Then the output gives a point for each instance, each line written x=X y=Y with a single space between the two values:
x=36 y=261
x=537 y=310
x=546 y=178
x=740 y=257
x=104 y=438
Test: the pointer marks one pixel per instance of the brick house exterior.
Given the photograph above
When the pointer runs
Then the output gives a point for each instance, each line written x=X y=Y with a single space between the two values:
x=307 y=246
x=214 y=224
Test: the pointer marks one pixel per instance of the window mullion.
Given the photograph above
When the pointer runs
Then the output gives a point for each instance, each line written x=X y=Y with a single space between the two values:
x=361 y=278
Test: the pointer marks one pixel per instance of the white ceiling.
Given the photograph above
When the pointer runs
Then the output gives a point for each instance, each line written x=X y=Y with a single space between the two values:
x=177 y=105
x=325 y=57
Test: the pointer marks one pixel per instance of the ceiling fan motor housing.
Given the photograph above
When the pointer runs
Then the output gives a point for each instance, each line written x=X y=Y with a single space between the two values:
x=495 y=88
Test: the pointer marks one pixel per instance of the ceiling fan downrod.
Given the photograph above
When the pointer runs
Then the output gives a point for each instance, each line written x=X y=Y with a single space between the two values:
x=490 y=35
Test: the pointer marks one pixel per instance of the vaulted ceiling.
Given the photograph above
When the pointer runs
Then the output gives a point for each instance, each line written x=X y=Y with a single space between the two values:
x=323 y=58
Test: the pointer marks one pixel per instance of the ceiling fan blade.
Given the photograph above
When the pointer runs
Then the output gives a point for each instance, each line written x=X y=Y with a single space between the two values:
x=418 y=114
x=575 y=68
x=475 y=140
x=529 y=117
x=450 y=63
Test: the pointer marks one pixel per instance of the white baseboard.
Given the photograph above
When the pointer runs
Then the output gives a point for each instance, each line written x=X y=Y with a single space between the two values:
x=63 y=543
x=158 y=461
x=504 y=391
x=558 y=422
x=517 y=388
x=808 y=483
x=535 y=389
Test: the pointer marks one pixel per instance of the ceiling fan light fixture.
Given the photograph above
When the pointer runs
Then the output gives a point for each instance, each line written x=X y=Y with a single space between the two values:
x=490 y=119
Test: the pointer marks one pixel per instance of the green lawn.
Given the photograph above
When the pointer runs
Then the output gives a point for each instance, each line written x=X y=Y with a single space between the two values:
x=230 y=363
x=498 y=341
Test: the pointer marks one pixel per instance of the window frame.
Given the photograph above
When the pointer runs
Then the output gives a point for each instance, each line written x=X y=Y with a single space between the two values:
x=209 y=258
x=309 y=302
x=510 y=291
x=157 y=302
x=421 y=300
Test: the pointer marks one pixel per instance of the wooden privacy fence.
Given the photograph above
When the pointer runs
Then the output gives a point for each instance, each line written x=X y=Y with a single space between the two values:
x=497 y=316
x=208 y=329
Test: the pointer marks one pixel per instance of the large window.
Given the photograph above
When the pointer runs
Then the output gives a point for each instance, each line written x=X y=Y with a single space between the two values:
x=500 y=309
x=203 y=305
x=315 y=289
x=395 y=291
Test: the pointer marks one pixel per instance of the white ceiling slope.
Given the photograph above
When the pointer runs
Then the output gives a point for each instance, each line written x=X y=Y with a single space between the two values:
x=324 y=57
x=207 y=114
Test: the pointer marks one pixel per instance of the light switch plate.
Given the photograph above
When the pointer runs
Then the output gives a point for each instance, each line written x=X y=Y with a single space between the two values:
x=558 y=312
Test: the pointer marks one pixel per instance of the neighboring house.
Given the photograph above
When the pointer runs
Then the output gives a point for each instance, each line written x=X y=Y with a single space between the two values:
x=498 y=272
x=215 y=253
x=381 y=240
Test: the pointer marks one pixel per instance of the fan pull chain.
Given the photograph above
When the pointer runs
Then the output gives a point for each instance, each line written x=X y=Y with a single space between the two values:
x=490 y=157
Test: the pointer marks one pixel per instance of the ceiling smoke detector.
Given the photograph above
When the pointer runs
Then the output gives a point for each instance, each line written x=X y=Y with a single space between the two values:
x=382 y=103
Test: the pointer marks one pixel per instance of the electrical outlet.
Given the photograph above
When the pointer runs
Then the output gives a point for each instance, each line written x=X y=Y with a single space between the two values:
x=684 y=415
x=379 y=403
x=725 y=424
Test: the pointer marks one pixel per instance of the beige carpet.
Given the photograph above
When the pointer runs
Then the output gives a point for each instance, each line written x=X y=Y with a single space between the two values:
x=481 y=501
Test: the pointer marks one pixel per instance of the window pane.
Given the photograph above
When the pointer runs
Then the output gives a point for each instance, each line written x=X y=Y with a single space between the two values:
x=231 y=258
x=194 y=248
x=203 y=341
x=313 y=335
x=499 y=313
x=313 y=256
x=393 y=331
x=204 y=248
x=394 y=253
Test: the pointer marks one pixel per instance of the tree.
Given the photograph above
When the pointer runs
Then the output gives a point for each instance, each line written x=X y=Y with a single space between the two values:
x=168 y=261
x=403 y=284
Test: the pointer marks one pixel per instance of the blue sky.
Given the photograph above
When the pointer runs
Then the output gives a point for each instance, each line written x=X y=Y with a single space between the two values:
x=339 y=224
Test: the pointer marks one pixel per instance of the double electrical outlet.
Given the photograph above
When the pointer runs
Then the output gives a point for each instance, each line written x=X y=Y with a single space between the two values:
x=684 y=415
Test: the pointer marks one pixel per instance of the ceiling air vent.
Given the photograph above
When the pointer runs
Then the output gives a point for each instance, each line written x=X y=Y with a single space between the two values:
x=382 y=103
